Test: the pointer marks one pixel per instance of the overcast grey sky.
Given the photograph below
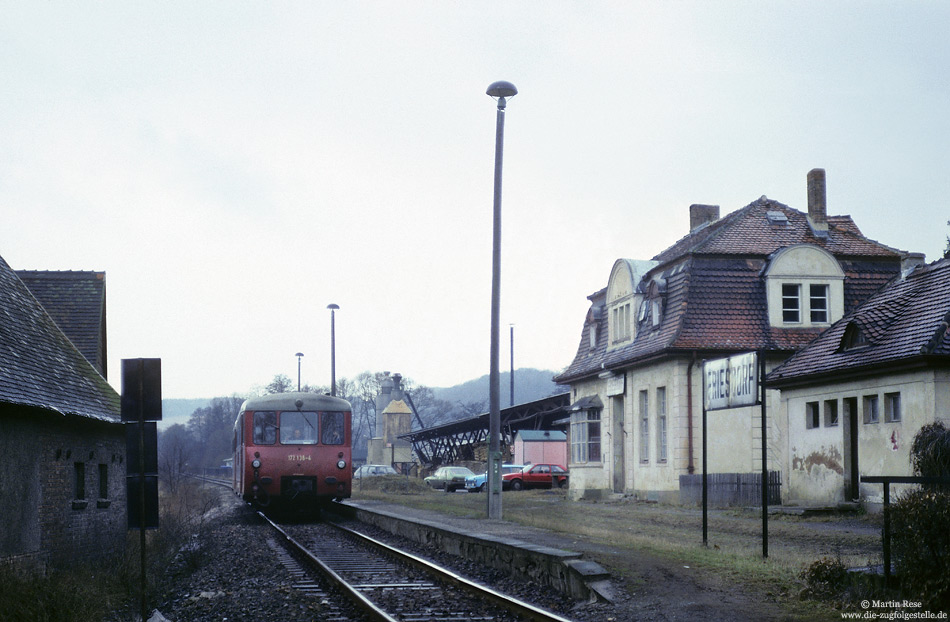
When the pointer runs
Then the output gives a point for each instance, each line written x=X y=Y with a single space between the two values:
x=234 y=167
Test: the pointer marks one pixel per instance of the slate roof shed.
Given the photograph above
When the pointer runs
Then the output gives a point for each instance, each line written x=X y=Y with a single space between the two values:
x=39 y=365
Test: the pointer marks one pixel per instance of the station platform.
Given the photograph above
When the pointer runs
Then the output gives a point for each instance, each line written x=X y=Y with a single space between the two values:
x=517 y=549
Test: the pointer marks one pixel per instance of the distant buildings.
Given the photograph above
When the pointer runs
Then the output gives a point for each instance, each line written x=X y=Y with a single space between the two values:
x=62 y=479
x=764 y=278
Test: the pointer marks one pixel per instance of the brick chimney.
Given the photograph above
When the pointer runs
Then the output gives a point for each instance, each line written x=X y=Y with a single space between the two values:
x=817 y=202
x=702 y=215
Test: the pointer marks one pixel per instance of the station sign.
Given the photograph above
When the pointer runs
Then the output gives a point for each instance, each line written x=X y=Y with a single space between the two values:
x=731 y=382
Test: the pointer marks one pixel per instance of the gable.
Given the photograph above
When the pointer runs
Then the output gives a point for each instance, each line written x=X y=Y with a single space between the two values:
x=76 y=302
x=804 y=259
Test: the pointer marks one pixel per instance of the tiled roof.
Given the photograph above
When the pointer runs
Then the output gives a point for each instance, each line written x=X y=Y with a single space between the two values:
x=904 y=323
x=39 y=366
x=715 y=294
x=748 y=231
x=76 y=302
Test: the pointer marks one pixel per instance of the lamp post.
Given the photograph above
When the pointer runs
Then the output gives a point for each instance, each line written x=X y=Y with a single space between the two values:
x=333 y=307
x=511 y=376
x=501 y=91
x=299 y=355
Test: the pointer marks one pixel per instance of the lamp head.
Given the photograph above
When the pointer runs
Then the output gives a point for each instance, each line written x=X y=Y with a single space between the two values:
x=333 y=306
x=502 y=88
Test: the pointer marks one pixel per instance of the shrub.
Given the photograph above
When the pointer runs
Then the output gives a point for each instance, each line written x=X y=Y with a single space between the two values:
x=930 y=453
x=920 y=542
x=920 y=522
x=825 y=579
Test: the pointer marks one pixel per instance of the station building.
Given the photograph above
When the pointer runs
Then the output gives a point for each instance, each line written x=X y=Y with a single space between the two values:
x=765 y=278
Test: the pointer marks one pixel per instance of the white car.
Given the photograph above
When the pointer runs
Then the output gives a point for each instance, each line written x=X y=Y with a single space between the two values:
x=369 y=470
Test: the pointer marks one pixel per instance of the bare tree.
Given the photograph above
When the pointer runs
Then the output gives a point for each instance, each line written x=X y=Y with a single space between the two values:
x=430 y=409
x=280 y=384
x=175 y=446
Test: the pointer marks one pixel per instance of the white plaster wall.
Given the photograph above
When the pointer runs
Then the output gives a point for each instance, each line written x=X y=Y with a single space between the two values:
x=733 y=435
x=651 y=475
x=590 y=475
x=816 y=463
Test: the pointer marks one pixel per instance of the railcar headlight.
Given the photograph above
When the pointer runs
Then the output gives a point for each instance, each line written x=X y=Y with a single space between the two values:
x=256 y=463
x=341 y=464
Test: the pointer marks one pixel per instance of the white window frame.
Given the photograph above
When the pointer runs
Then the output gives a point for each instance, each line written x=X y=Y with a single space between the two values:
x=644 y=426
x=819 y=307
x=585 y=446
x=892 y=407
x=791 y=303
x=871 y=409
x=661 y=425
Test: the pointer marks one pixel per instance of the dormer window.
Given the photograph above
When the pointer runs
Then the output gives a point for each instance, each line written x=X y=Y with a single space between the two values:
x=623 y=302
x=854 y=337
x=657 y=309
x=644 y=313
x=805 y=288
x=650 y=313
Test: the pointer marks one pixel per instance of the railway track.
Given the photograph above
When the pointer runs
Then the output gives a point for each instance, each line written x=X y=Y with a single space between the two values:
x=382 y=582
x=389 y=585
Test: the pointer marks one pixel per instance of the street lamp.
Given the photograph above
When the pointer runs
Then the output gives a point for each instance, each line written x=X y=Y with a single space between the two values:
x=501 y=91
x=511 y=376
x=298 y=355
x=333 y=307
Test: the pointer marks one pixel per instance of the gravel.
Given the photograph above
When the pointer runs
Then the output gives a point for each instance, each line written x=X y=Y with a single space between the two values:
x=231 y=573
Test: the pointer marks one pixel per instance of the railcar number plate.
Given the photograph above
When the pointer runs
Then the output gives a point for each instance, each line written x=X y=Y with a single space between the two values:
x=298 y=457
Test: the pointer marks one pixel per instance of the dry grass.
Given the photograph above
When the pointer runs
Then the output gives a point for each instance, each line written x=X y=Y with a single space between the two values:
x=105 y=590
x=623 y=535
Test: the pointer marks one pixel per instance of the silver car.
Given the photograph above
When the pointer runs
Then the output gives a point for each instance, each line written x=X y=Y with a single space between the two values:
x=369 y=470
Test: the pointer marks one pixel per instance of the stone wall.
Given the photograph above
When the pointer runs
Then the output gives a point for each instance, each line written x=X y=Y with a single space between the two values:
x=62 y=487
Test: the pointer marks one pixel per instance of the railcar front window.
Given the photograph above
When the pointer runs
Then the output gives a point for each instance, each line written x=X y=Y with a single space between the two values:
x=331 y=426
x=298 y=428
x=265 y=427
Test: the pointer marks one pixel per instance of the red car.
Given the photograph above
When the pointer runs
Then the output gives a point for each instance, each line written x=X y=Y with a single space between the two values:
x=536 y=476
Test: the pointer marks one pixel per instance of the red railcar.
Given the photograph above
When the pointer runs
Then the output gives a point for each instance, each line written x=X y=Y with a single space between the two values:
x=292 y=450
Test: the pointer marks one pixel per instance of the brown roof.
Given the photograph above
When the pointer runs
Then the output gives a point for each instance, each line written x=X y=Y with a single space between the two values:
x=906 y=323
x=749 y=231
x=39 y=365
x=77 y=303
x=715 y=292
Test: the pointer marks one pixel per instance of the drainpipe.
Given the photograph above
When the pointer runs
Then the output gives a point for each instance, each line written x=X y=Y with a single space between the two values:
x=690 y=468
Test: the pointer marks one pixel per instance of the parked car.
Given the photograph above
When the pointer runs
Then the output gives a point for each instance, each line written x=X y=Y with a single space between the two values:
x=479 y=483
x=536 y=476
x=369 y=470
x=449 y=478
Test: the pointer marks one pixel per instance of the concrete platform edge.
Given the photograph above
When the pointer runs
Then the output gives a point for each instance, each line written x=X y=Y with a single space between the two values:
x=562 y=570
